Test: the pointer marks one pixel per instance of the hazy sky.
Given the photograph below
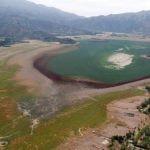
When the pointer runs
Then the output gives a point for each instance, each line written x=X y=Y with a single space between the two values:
x=97 y=7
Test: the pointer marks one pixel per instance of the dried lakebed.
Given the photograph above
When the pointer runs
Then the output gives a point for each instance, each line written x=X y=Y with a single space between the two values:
x=22 y=129
x=99 y=64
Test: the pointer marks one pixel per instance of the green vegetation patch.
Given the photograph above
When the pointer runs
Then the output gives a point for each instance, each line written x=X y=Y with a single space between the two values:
x=12 y=123
x=49 y=134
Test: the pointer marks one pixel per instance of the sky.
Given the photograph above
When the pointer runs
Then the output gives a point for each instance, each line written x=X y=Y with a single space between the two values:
x=97 y=7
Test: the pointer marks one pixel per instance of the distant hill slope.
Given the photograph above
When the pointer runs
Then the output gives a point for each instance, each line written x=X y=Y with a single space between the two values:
x=22 y=18
x=25 y=19
x=31 y=10
x=127 y=22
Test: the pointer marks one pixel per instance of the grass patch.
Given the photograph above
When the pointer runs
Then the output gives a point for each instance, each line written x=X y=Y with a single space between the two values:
x=90 y=114
x=11 y=124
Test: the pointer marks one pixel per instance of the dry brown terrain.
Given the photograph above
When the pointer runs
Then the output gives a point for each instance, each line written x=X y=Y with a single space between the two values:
x=123 y=116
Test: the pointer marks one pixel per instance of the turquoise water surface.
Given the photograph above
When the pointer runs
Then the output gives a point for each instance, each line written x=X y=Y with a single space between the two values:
x=91 y=61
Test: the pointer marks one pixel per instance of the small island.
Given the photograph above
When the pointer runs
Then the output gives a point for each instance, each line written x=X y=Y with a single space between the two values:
x=120 y=60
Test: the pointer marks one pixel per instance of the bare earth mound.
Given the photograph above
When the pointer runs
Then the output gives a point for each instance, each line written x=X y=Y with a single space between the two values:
x=120 y=60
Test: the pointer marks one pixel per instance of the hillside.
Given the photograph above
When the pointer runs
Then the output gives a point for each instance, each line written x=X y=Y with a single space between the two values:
x=21 y=18
x=25 y=19
x=34 y=11
x=125 y=23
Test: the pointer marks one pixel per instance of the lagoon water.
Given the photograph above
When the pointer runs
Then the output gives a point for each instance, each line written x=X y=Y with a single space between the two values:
x=90 y=61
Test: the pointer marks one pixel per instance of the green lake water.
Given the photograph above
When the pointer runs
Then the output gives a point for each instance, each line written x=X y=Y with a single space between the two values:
x=90 y=61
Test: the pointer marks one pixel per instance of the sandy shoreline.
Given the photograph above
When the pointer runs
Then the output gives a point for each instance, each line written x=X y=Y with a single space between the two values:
x=27 y=74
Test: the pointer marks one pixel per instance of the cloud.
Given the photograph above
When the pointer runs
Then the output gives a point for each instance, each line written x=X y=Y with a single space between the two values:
x=97 y=7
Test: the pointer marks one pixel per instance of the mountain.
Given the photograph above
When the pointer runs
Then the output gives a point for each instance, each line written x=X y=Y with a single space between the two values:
x=21 y=18
x=31 y=10
x=25 y=19
x=125 y=23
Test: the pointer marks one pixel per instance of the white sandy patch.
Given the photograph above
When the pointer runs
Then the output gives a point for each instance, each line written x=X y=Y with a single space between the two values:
x=120 y=60
x=105 y=142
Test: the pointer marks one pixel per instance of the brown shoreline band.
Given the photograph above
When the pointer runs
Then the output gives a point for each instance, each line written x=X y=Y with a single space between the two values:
x=62 y=79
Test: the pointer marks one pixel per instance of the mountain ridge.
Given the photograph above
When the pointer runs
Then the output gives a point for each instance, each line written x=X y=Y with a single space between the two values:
x=22 y=18
x=25 y=19
x=125 y=23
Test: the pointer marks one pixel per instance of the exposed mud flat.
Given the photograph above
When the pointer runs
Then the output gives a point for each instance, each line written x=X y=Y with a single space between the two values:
x=49 y=97
x=120 y=60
